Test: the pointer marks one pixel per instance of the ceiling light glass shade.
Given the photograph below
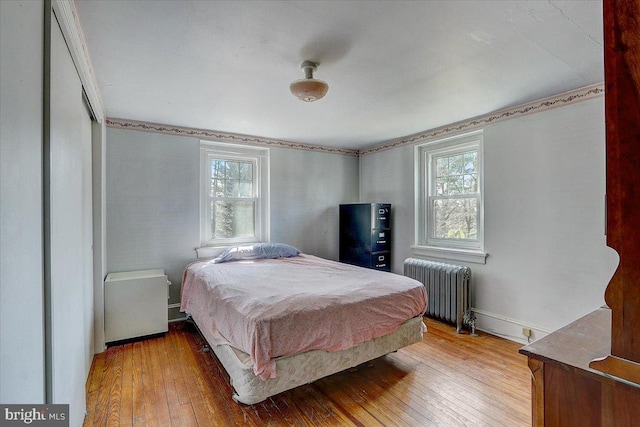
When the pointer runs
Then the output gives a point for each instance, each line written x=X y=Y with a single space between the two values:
x=309 y=89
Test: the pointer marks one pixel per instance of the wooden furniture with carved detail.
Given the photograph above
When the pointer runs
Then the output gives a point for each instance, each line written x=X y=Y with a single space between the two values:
x=588 y=373
x=566 y=391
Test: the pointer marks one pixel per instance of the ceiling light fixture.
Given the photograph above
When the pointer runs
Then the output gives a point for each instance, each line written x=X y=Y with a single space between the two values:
x=309 y=89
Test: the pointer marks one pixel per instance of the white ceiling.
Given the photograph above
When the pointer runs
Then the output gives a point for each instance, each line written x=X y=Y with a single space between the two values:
x=394 y=68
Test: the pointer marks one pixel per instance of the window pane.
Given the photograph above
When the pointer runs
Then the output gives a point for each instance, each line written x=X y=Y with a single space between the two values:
x=218 y=168
x=246 y=171
x=441 y=187
x=234 y=188
x=471 y=162
x=457 y=174
x=455 y=219
x=455 y=184
x=470 y=184
x=233 y=170
x=456 y=165
x=246 y=189
x=217 y=187
x=227 y=188
x=232 y=219
x=442 y=166
x=231 y=179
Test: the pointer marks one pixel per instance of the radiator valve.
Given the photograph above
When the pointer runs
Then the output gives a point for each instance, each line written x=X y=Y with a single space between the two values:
x=470 y=320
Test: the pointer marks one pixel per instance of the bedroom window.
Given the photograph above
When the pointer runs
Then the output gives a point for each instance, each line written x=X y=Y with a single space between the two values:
x=234 y=194
x=449 y=192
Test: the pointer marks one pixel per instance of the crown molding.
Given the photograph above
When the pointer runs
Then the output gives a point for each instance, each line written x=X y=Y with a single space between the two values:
x=223 y=136
x=67 y=16
x=566 y=98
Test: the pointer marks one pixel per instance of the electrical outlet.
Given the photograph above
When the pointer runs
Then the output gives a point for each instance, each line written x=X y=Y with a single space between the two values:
x=526 y=332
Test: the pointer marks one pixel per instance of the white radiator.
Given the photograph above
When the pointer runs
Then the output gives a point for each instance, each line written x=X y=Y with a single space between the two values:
x=135 y=304
x=447 y=288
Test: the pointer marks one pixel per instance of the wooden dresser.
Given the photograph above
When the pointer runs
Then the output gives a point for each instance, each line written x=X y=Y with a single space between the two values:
x=588 y=373
x=566 y=391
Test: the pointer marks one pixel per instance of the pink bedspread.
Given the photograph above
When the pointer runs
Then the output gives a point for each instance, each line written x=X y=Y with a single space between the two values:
x=277 y=307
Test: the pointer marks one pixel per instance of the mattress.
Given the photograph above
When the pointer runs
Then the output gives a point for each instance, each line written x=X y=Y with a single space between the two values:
x=304 y=368
x=270 y=308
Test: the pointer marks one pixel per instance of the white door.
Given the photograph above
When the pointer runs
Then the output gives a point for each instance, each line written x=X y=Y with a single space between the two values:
x=68 y=258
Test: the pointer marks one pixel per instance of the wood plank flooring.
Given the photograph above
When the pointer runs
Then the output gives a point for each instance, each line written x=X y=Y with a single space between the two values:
x=446 y=380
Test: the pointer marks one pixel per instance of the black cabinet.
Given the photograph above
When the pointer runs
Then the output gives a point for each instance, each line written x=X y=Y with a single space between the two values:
x=365 y=235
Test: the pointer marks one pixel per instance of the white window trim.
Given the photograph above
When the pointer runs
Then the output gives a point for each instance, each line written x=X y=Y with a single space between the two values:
x=260 y=157
x=462 y=255
x=205 y=225
x=456 y=251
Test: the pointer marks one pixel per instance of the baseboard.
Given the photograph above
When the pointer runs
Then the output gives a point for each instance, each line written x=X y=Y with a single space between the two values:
x=506 y=327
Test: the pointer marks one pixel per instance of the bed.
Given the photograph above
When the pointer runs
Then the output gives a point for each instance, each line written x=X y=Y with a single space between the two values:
x=278 y=319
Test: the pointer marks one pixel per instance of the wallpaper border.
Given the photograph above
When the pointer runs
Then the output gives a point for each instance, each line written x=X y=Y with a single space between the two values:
x=566 y=98
x=223 y=136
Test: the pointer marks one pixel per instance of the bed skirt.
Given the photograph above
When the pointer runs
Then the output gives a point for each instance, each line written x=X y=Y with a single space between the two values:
x=304 y=368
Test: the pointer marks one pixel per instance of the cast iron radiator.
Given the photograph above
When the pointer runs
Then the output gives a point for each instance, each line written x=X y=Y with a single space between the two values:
x=447 y=289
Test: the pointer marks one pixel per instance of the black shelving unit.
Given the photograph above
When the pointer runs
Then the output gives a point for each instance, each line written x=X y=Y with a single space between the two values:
x=365 y=235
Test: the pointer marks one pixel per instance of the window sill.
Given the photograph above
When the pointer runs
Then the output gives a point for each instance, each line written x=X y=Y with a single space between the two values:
x=462 y=255
x=209 y=251
x=214 y=250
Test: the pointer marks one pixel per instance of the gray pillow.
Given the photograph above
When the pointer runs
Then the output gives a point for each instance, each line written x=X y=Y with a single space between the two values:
x=257 y=251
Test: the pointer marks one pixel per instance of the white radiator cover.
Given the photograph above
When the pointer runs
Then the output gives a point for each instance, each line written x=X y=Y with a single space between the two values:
x=135 y=304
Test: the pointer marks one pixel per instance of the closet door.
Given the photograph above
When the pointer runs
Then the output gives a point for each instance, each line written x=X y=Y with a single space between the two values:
x=68 y=258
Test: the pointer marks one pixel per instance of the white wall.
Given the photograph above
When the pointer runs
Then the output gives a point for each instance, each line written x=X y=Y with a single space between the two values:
x=544 y=185
x=152 y=201
x=387 y=177
x=306 y=189
x=21 y=275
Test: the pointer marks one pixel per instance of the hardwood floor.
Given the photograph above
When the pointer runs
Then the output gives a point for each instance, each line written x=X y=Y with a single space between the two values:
x=447 y=380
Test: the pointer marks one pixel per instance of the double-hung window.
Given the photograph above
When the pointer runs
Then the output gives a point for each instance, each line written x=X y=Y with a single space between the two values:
x=449 y=201
x=234 y=194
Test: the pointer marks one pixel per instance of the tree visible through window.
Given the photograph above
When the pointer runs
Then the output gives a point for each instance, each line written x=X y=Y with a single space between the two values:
x=233 y=201
x=455 y=200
